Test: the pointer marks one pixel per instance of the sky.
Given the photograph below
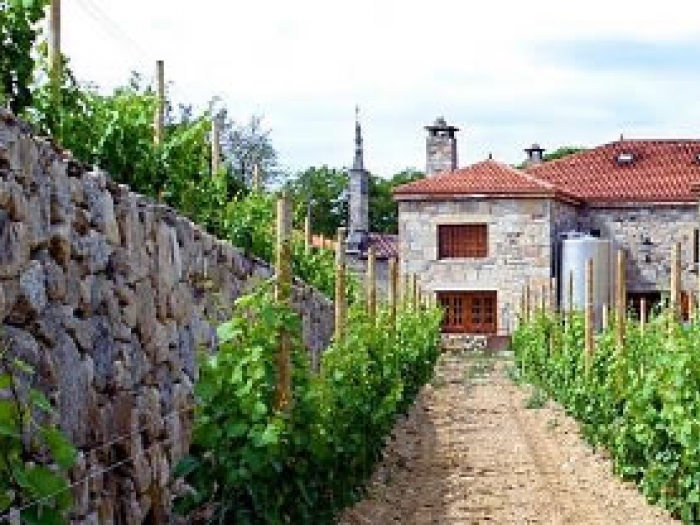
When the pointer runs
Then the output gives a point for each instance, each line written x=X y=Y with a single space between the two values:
x=507 y=73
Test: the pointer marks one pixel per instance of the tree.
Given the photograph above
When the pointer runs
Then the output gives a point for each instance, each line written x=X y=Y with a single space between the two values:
x=561 y=152
x=383 y=211
x=18 y=33
x=325 y=190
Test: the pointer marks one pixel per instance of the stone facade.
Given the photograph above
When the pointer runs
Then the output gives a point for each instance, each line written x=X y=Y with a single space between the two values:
x=648 y=234
x=524 y=241
x=519 y=240
x=109 y=296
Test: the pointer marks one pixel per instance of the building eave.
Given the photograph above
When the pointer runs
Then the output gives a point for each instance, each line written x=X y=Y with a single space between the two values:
x=438 y=197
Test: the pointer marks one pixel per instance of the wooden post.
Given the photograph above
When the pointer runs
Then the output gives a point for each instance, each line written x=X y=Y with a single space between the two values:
x=590 y=315
x=553 y=295
x=691 y=306
x=340 y=298
x=159 y=131
x=55 y=58
x=543 y=300
x=414 y=289
x=256 y=179
x=605 y=321
x=283 y=294
x=621 y=300
x=676 y=284
x=371 y=284
x=570 y=292
x=527 y=303
x=393 y=291
x=308 y=232
x=642 y=315
x=215 y=147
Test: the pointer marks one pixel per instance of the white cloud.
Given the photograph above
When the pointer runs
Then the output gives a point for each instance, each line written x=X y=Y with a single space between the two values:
x=305 y=63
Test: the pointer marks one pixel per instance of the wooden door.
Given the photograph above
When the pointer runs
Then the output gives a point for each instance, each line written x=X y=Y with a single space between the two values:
x=469 y=312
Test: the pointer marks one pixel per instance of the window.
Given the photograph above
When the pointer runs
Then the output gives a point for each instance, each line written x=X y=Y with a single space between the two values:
x=462 y=240
x=469 y=312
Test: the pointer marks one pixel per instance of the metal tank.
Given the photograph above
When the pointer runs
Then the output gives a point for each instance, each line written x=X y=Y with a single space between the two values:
x=576 y=250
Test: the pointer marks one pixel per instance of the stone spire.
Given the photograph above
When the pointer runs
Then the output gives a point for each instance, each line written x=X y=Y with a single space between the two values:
x=358 y=163
x=358 y=223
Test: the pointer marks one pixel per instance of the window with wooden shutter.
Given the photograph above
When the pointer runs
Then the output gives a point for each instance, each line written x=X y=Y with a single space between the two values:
x=462 y=241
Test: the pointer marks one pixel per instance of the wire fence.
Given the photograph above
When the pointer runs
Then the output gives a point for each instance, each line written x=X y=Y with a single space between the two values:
x=15 y=513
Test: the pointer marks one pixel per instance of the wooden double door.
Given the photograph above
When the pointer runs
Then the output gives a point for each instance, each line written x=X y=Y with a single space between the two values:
x=469 y=312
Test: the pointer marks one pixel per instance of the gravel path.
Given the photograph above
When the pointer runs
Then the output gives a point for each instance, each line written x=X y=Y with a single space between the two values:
x=471 y=452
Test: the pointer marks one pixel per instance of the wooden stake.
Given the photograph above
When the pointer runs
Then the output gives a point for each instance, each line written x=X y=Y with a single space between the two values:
x=543 y=300
x=414 y=288
x=605 y=317
x=553 y=295
x=642 y=315
x=215 y=147
x=570 y=292
x=340 y=298
x=256 y=180
x=308 y=232
x=527 y=303
x=55 y=58
x=159 y=135
x=393 y=290
x=283 y=294
x=621 y=300
x=676 y=284
x=371 y=284
x=590 y=315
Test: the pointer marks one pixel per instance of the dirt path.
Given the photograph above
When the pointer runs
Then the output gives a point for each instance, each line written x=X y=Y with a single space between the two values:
x=471 y=452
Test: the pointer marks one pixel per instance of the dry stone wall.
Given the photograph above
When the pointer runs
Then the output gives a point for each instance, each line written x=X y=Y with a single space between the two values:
x=110 y=295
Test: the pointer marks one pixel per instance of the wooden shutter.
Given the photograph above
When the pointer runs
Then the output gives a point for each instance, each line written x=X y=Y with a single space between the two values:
x=462 y=241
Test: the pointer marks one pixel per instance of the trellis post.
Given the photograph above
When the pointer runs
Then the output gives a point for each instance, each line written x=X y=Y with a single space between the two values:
x=621 y=300
x=371 y=284
x=393 y=291
x=676 y=285
x=589 y=315
x=283 y=294
x=340 y=297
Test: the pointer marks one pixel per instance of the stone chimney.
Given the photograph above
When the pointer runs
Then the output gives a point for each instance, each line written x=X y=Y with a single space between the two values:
x=441 y=147
x=358 y=224
x=535 y=155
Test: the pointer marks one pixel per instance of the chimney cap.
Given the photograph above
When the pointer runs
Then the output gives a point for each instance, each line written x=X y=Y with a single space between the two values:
x=535 y=147
x=440 y=124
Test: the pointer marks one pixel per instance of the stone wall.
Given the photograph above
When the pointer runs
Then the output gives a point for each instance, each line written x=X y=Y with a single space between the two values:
x=648 y=234
x=109 y=295
x=519 y=238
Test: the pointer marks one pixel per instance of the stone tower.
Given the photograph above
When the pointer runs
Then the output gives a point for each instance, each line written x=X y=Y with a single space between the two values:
x=441 y=147
x=358 y=225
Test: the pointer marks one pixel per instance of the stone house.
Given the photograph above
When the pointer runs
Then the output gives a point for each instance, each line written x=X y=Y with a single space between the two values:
x=476 y=236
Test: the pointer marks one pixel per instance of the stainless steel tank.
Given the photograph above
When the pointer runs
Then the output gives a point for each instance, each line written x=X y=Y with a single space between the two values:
x=576 y=250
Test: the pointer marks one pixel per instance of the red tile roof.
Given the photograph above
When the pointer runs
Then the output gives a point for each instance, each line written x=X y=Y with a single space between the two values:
x=660 y=171
x=488 y=178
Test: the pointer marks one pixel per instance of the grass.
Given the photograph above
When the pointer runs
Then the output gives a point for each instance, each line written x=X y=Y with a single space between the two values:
x=537 y=399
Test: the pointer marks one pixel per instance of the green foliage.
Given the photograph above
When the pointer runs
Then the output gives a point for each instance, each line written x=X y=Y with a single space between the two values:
x=249 y=223
x=561 y=152
x=383 y=211
x=641 y=402
x=34 y=456
x=250 y=464
x=326 y=189
x=18 y=33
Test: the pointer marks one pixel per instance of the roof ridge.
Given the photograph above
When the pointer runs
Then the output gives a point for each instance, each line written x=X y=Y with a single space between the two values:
x=527 y=176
